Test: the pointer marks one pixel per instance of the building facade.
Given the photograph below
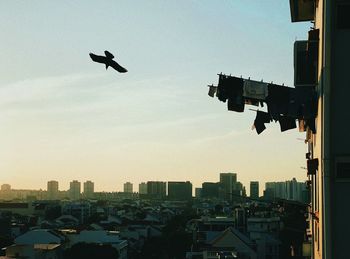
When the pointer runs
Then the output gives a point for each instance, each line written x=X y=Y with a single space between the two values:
x=156 y=190
x=254 y=189
x=89 y=189
x=228 y=183
x=328 y=156
x=128 y=187
x=52 y=190
x=74 y=190
x=180 y=190
x=143 y=188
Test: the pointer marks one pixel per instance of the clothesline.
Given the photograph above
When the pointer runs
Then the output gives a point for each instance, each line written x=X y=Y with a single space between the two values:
x=284 y=104
x=255 y=81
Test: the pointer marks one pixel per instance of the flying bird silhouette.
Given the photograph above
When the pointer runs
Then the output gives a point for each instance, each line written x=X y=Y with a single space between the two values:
x=108 y=61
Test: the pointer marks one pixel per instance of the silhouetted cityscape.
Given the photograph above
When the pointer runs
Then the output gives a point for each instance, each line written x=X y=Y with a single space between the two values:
x=227 y=188
x=161 y=219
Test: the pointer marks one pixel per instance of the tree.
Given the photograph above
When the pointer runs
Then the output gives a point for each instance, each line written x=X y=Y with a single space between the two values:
x=91 y=251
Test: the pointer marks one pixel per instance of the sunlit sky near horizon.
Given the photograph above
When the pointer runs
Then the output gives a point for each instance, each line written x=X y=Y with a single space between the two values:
x=63 y=117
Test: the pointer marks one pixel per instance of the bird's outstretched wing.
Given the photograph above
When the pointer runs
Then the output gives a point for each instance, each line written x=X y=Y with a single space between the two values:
x=118 y=67
x=109 y=54
x=99 y=59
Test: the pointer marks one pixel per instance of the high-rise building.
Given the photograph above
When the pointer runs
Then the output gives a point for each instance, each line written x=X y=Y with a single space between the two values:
x=210 y=190
x=198 y=192
x=52 y=190
x=128 y=187
x=179 y=190
x=74 y=190
x=143 y=188
x=5 y=187
x=156 y=190
x=254 y=189
x=289 y=190
x=89 y=189
x=228 y=182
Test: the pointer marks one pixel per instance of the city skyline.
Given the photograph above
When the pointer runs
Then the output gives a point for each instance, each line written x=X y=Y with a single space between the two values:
x=71 y=117
x=85 y=183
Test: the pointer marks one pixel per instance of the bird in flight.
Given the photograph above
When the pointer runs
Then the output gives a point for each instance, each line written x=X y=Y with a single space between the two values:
x=108 y=61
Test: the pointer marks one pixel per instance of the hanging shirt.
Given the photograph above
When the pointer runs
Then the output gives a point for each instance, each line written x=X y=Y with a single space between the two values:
x=287 y=123
x=255 y=90
x=277 y=100
x=229 y=87
x=260 y=120
x=212 y=90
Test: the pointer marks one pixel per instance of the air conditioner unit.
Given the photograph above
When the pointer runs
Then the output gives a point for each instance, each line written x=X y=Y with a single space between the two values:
x=304 y=67
x=302 y=10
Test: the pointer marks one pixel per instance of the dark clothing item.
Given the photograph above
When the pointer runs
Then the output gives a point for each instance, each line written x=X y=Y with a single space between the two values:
x=277 y=100
x=260 y=120
x=236 y=104
x=229 y=87
x=212 y=90
x=287 y=123
x=310 y=123
x=312 y=166
x=302 y=103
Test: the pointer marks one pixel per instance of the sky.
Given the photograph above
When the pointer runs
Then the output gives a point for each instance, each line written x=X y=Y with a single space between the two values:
x=64 y=117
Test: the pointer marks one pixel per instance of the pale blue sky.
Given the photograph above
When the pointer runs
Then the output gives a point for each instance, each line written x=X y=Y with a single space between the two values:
x=64 y=117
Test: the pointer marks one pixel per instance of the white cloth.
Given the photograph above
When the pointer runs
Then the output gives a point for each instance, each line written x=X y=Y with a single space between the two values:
x=255 y=90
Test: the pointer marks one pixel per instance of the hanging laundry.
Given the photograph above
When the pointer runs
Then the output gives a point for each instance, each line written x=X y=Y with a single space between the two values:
x=260 y=120
x=212 y=90
x=310 y=124
x=255 y=90
x=236 y=104
x=312 y=166
x=287 y=123
x=302 y=103
x=277 y=100
x=229 y=87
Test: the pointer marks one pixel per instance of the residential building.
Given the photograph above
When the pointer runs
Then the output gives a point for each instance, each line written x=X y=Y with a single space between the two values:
x=81 y=210
x=52 y=190
x=143 y=188
x=228 y=183
x=289 y=190
x=74 y=190
x=254 y=189
x=210 y=190
x=128 y=187
x=180 y=190
x=5 y=187
x=198 y=192
x=328 y=157
x=156 y=190
x=89 y=189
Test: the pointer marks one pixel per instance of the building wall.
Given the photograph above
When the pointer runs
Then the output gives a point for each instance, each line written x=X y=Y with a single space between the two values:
x=74 y=190
x=89 y=189
x=180 y=190
x=254 y=190
x=128 y=187
x=52 y=190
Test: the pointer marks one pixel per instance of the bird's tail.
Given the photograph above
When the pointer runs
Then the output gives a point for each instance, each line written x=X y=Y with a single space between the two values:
x=106 y=66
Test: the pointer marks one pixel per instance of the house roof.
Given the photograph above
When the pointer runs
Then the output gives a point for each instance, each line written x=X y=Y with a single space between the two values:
x=231 y=231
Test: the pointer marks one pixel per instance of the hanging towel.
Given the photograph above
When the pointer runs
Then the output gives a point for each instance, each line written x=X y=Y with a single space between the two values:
x=287 y=123
x=212 y=90
x=255 y=90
